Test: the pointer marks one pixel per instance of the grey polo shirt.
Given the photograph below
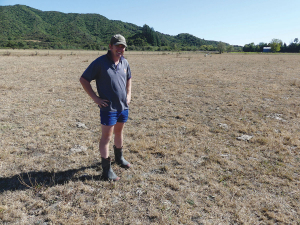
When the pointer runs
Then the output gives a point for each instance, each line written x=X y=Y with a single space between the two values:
x=111 y=81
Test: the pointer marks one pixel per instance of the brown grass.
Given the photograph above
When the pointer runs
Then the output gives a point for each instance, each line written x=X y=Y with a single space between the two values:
x=187 y=168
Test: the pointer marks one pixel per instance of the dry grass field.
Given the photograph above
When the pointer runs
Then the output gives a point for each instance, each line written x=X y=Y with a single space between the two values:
x=212 y=140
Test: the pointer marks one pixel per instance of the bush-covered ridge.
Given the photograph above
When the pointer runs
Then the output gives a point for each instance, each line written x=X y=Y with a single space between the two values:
x=25 y=27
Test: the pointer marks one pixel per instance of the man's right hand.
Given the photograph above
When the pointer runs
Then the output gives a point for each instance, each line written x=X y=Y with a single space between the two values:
x=101 y=102
x=89 y=90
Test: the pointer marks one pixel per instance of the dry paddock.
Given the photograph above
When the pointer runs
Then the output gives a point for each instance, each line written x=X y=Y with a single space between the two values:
x=188 y=117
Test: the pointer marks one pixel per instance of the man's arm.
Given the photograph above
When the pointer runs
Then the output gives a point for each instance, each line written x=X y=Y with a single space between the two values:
x=128 y=89
x=89 y=90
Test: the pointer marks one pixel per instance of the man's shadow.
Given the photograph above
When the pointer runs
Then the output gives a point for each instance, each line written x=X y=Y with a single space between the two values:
x=40 y=179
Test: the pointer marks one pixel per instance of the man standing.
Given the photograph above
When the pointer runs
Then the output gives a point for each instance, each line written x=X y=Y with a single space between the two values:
x=113 y=80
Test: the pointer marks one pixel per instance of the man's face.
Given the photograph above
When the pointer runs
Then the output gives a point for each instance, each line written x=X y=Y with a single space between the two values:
x=117 y=50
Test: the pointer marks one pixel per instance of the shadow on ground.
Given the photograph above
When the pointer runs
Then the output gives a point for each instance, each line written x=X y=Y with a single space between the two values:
x=40 y=179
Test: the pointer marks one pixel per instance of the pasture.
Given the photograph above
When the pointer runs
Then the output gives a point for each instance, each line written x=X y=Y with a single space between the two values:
x=212 y=140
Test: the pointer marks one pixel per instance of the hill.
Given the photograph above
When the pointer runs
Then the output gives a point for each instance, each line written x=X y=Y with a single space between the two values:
x=25 y=27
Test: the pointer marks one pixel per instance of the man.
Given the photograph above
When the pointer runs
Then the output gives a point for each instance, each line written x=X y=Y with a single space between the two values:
x=113 y=79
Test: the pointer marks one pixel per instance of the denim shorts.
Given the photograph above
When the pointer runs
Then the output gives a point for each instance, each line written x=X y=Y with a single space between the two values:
x=111 y=118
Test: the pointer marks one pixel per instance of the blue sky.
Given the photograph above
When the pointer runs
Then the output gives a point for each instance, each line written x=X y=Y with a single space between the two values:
x=237 y=22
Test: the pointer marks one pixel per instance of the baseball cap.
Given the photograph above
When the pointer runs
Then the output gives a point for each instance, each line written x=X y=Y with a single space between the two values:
x=118 y=39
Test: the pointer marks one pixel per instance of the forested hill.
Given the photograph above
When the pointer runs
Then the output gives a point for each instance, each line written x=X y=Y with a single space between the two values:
x=25 y=27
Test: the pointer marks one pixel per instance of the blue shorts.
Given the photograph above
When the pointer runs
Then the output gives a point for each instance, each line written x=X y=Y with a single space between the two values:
x=111 y=118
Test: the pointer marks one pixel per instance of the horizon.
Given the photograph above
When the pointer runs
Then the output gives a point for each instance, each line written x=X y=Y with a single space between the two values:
x=237 y=27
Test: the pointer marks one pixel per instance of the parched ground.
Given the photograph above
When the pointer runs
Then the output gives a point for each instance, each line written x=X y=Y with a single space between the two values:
x=213 y=140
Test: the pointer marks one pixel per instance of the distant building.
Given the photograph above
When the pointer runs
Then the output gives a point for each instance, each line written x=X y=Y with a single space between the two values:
x=267 y=49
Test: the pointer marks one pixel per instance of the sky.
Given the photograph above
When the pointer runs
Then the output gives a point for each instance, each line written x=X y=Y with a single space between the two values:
x=236 y=22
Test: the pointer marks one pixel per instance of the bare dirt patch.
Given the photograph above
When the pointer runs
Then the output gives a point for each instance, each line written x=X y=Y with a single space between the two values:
x=184 y=139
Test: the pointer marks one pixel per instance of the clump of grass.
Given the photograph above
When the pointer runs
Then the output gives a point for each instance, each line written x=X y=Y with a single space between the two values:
x=261 y=140
x=7 y=53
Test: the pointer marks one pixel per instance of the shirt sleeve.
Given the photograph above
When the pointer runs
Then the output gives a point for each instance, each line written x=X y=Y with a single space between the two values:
x=93 y=71
x=128 y=72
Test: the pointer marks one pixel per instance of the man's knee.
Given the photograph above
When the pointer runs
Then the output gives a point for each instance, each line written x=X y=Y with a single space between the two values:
x=105 y=137
x=118 y=129
x=118 y=132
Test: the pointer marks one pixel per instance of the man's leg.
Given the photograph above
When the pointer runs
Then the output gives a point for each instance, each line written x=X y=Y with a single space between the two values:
x=118 y=147
x=107 y=132
x=108 y=173
x=118 y=131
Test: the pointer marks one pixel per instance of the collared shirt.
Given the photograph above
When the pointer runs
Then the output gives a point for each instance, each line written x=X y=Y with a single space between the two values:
x=111 y=81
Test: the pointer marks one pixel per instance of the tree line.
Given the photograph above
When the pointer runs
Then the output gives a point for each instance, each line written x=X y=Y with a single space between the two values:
x=24 y=27
x=276 y=46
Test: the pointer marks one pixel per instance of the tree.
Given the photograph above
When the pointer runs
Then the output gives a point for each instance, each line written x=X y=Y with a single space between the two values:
x=229 y=48
x=221 y=47
x=174 y=46
x=262 y=45
x=252 y=48
x=21 y=44
x=292 y=47
x=150 y=35
x=296 y=40
x=11 y=44
x=140 y=42
x=275 y=45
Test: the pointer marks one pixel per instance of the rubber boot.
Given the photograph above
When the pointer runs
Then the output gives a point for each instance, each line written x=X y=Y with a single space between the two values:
x=120 y=159
x=108 y=173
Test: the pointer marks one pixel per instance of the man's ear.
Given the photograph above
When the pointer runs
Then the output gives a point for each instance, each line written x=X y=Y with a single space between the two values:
x=110 y=46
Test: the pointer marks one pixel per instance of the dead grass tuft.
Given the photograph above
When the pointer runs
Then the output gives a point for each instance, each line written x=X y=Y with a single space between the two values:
x=295 y=83
x=7 y=53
